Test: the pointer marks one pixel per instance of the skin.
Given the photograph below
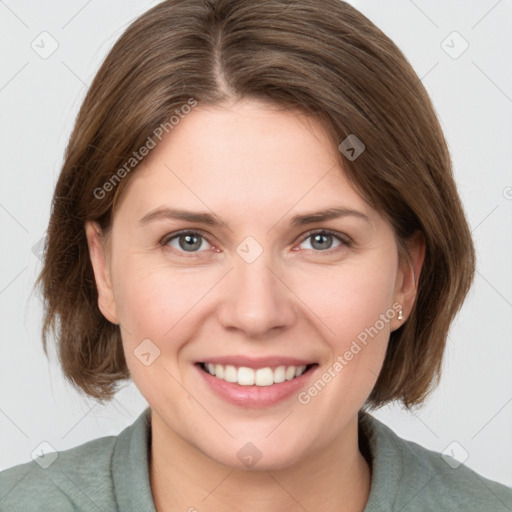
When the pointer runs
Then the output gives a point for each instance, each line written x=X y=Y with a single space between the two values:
x=255 y=167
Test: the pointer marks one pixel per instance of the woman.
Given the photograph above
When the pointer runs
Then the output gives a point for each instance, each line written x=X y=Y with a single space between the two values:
x=256 y=221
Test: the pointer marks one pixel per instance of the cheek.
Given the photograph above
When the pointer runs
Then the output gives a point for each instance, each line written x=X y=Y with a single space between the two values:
x=157 y=302
x=355 y=306
x=156 y=309
x=350 y=298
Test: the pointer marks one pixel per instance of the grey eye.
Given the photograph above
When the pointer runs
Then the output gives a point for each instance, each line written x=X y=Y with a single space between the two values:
x=322 y=241
x=188 y=242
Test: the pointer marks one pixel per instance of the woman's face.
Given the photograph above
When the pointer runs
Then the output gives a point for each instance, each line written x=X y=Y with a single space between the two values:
x=250 y=284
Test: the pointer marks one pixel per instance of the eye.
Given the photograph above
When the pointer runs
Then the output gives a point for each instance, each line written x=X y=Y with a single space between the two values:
x=186 y=241
x=194 y=242
x=323 y=240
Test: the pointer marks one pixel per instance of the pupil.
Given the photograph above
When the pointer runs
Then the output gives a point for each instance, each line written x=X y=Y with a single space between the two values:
x=318 y=238
x=191 y=242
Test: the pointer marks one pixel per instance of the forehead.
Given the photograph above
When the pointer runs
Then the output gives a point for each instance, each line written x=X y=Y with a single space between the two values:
x=243 y=157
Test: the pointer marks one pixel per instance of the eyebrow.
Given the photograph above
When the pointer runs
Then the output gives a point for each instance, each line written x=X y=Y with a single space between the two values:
x=211 y=219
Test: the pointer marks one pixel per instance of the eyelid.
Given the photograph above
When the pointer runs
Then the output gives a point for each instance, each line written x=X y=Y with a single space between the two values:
x=343 y=238
x=170 y=236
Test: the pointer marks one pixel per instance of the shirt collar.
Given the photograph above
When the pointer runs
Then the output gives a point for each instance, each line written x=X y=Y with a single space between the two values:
x=130 y=464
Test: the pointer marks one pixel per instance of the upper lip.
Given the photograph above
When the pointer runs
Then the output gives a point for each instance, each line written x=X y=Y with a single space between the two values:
x=257 y=362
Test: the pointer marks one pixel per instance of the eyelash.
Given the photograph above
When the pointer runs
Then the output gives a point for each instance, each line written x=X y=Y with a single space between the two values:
x=343 y=239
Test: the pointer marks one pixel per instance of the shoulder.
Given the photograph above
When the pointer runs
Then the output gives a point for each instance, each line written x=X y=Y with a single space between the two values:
x=75 y=479
x=420 y=479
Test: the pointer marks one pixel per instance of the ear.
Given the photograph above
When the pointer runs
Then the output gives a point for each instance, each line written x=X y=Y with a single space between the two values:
x=406 y=287
x=99 y=259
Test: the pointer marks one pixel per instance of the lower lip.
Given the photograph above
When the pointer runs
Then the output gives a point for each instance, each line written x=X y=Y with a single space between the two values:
x=255 y=396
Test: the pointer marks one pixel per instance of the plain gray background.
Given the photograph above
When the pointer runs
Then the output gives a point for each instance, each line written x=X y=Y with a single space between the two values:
x=469 y=415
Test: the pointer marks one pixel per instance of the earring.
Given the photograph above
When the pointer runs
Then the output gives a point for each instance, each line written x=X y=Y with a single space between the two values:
x=400 y=315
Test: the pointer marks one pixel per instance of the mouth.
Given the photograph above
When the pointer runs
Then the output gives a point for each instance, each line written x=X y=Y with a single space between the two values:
x=261 y=377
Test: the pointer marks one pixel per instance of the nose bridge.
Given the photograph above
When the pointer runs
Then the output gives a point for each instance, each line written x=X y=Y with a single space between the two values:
x=255 y=300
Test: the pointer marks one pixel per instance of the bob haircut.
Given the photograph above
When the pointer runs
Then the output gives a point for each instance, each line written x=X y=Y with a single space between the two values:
x=324 y=59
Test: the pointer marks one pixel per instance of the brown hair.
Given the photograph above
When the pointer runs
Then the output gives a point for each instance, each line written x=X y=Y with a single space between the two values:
x=323 y=58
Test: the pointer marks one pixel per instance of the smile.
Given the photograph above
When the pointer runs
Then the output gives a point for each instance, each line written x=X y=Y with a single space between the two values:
x=245 y=376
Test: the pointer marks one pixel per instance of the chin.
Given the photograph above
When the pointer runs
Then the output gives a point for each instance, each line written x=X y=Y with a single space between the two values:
x=255 y=456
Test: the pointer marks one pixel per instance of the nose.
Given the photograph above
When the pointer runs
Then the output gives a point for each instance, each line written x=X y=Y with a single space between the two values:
x=256 y=300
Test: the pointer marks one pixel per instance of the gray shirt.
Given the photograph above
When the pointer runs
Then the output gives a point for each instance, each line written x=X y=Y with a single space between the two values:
x=111 y=473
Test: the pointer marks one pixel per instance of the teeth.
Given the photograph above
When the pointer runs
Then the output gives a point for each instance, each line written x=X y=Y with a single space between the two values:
x=219 y=371
x=280 y=374
x=245 y=376
x=231 y=374
x=264 y=377
x=290 y=372
x=248 y=377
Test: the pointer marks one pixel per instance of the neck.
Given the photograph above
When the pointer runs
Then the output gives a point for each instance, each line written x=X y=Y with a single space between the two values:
x=336 y=477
